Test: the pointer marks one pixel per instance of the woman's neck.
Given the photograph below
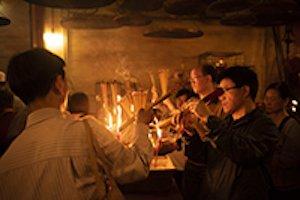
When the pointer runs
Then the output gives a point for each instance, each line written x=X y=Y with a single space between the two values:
x=277 y=117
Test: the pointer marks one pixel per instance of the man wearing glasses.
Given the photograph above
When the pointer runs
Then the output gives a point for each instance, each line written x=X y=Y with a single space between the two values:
x=203 y=82
x=243 y=141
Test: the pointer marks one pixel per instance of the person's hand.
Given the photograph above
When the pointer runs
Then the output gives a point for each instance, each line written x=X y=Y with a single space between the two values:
x=201 y=110
x=188 y=119
x=145 y=116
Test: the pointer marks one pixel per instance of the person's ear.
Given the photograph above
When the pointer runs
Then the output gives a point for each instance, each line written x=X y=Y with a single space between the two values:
x=286 y=102
x=209 y=78
x=59 y=86
x=246 y=91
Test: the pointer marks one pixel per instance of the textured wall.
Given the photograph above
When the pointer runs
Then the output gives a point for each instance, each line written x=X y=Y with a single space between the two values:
x=14 y=37
x=96 y=55
x=101 y=55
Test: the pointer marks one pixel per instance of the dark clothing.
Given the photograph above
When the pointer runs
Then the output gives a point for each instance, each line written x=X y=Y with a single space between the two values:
x=5 y=121
x=18 y=123
x=285 y=164
x=194 y=185
x=236 y=168
x=194 y=147
x=14 y=125
x=195 y=172
x=194 y=175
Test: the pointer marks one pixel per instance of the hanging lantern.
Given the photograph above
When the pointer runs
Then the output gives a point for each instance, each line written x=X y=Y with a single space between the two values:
x=268 y=13
x=141 y=5
x=174 y=29
x=4 y=21
x=72 y=3
x=225 y=6
x=184 y=7
x=90 y=22
x=133 y=20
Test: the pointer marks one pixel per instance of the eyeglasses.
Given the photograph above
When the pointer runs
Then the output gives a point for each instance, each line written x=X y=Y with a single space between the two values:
x=231 y=88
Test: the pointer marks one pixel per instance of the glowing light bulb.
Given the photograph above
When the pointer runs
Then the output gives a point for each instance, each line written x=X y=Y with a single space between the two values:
x=295 y=102
x=54 y=42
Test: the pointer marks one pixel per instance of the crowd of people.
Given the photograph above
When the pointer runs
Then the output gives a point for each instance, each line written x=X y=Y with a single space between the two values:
x=234 y=149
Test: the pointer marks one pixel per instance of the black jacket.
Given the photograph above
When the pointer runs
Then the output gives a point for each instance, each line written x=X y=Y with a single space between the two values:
x=236 y=168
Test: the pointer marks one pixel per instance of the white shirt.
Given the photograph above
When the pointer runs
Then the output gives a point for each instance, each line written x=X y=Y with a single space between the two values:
x=49 y=160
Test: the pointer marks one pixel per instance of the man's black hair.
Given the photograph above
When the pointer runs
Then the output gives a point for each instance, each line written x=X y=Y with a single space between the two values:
x=184 y=91
x=241 y=76
x=209 y=70
x=31 y=74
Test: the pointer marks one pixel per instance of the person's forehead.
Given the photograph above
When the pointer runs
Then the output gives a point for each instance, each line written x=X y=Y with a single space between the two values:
x=196 y=72
x=2 y=77
x=184 y=96
x=226 y=82
x=272 y=92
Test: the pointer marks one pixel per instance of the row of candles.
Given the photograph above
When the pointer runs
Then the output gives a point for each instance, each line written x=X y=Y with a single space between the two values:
x=117 y=109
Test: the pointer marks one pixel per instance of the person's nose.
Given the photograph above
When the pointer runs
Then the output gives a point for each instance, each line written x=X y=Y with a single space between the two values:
x=222 y=97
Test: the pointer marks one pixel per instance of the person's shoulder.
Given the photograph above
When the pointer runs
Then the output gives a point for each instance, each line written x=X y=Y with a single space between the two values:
x=293 y=123
x=260 y=115
x=93 y=122
x=261 y=119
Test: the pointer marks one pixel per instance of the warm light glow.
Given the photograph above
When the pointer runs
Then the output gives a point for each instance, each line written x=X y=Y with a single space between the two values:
x=119 y=113
x=109 y=122
x=119 y=117
x=295 y=102
x=158 y=129
x=132 y=108
x=54 y=42
x=114 y=118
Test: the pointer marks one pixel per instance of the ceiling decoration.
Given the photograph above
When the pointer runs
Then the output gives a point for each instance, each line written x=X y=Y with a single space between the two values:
x=224 y=6
x=133 y=20
x=72 y=3
x=90 y=22
x=242 y=18
x=269 y=13
x=175 y=33
x=4 y=21
x=174 y=30
x=219 y=54
x=141 y=5
x=184 y=7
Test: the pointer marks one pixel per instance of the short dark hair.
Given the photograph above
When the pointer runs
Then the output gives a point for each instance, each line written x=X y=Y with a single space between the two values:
x=76 y=101
x=209 y=70
x=184 y=91
x=31 y=74
x=281 y=88
x=241 y=76
x=6 y=99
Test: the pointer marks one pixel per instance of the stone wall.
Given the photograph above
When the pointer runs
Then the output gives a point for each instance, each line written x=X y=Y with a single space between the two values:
x=102 y=55
x=15 y=37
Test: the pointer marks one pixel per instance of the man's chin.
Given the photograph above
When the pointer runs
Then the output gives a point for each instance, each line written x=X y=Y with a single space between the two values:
x=226 y=111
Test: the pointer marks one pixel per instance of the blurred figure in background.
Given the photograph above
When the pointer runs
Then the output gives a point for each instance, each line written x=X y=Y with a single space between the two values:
x=17 y=124
x=2 y=79
x=7 y=114
x=18 y=104
x=78 y=103
x=285 y=164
